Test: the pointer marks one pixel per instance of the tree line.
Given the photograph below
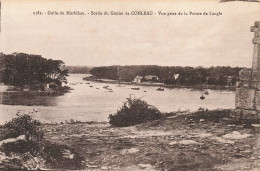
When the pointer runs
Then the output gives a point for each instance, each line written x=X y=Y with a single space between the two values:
x=171 y=75
x=19 y=69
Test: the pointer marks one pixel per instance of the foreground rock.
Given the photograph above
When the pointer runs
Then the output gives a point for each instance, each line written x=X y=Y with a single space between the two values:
x=19 y=154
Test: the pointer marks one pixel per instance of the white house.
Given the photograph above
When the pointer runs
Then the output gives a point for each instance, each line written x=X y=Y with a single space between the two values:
x=151 y=78
x=176 y=76
x=138 y=79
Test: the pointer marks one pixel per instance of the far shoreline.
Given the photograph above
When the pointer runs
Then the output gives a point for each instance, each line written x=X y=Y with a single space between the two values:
x=196 y=87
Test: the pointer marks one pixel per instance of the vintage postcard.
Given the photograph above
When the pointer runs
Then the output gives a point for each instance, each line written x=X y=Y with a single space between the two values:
x=130 y=85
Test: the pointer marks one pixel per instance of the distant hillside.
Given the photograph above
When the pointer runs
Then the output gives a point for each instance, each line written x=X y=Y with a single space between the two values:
x=1 y=66
x=78 y=69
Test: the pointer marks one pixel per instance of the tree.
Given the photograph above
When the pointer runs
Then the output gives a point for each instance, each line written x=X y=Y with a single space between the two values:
x=22 y=69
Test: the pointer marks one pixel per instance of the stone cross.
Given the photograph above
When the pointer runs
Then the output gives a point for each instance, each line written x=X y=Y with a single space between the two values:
x=256 y=42
x=248 y=86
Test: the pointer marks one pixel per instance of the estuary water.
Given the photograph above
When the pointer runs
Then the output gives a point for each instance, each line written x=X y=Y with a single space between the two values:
x=89 y=101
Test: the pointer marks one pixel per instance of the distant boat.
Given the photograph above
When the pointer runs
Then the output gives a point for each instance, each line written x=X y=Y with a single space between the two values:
x=160 y=89
x=105 y=86
x=87 y=83
x=97 y=88
x=110 y=91
x=120 y=85
x=202 y=97
x=135 y=88
x=90 y=86
x=206 y=92
x=226 y=92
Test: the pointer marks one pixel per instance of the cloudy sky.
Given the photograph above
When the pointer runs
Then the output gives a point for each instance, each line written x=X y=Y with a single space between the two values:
x=189 y=40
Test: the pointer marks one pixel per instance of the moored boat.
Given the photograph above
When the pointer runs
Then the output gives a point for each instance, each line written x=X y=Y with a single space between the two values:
x=206 y=92
x=160 y=89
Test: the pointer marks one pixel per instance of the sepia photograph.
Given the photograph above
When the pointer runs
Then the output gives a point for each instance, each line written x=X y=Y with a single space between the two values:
x=130 y=85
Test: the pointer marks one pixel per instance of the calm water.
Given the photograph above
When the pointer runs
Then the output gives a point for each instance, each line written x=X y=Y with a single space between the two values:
x=86 y=103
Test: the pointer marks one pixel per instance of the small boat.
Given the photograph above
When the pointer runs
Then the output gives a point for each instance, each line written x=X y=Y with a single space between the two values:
x=87 y=83
x=105 y=86
x=120 y=85
x=202 y=97
x=90 y=86
x=144 y=91
x=97 y=88
x=206 y=92
x=135 y=88
x=110 y=91
x=160 y=89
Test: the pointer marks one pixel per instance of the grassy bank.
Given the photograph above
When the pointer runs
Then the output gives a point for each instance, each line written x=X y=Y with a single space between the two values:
x=31 y=98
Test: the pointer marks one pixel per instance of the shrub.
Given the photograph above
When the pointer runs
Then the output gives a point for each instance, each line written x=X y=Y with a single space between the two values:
x=134 y=111
x=64 y=89
x=23 y=125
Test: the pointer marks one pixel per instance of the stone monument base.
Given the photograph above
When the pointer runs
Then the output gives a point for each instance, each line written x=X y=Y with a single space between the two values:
x=248 y=94
x=245 y=114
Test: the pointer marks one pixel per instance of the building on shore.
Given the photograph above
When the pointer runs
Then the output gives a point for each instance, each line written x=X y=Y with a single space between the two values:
x=138 y=79
x=152 y=78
